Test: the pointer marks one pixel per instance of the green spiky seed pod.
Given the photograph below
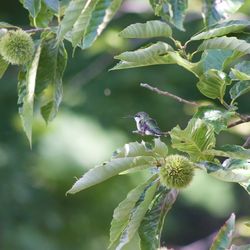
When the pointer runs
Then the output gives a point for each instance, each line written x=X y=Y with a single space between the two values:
x=17 y=47
x=177 y=172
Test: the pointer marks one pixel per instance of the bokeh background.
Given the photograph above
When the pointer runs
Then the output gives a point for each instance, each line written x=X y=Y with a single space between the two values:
x=35 y=214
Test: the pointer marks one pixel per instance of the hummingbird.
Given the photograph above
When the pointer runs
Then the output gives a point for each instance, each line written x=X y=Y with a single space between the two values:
x=147 y=126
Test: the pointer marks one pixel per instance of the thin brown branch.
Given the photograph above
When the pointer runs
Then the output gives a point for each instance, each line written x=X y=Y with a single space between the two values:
x=35 y=30
x=244 y=119
x=165 y=93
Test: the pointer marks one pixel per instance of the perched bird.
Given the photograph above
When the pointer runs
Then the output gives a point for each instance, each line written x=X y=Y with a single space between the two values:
x=146 y=125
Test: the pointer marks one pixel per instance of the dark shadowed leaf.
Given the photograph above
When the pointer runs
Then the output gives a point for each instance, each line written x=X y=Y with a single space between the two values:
x=53 y=5
x=224 y=237
x=151 y=226
x=49 y=76
x=197 y=137
x=214 y=59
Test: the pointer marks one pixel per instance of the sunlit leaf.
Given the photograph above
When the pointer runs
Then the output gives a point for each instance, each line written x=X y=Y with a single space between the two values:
x=217 y=117
x=26 y=89
x=3 y=66
x=224 y=42
x=239 y=88
x=213 y=84
x=137 y=215
x=217 y=10
x=72 y=12
x=133 y=149
x=122 y=213
x=232 y=170
x=171 y=10
x=149 y=29
x=110 y=169
x=151 y=226
x=231 y=151
x=224 y=237
x=197 y=137
x=158 y=53
x=93 y=20
x=232 y=26
x=241 y=71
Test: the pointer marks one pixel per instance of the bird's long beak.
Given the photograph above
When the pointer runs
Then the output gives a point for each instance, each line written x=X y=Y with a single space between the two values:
x=128 y=116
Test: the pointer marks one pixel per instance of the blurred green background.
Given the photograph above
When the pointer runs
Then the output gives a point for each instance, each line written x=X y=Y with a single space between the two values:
x=34 y=211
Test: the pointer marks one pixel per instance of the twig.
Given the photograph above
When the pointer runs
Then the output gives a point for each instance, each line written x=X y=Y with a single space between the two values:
x=35 y=30
x=165 y=93
x=238 y=122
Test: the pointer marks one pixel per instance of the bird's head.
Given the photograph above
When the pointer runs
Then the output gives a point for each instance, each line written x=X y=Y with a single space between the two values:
x=140 y=116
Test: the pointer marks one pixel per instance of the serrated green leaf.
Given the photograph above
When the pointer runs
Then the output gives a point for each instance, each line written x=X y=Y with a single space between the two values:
x=239 y=89
x=213 y=84
x=214 y=59
x=194 y=139
x=158 y=53
x=134 y=149
x=232 y=26
x=72 y=13
x=217 y=10
x=232 y=170
x=3 y=66
x=214 y=116
x=94 y=20
x=50 y=71
x=110 y=169
x=122 y=213
x=224 y=237
x=137 y=215
x=171 y=10
x=151 y=226
x=33 y=6
x=53 y=5
x=149 y=29
x=231 y=151
x=241 y=71
x=26 y=89
x=224 y=42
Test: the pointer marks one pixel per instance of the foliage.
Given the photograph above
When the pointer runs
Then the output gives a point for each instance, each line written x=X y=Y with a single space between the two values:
x=137 y=221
